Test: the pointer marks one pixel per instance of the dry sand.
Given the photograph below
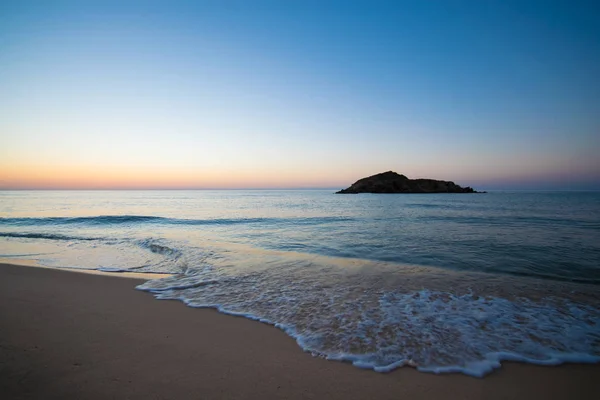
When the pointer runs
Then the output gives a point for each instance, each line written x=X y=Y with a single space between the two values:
x=66 y=335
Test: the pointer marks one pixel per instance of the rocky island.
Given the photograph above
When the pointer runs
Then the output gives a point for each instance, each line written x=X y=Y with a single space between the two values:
x=392 y=182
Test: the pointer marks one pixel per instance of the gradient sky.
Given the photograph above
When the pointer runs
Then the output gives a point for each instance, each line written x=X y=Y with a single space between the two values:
x=224 y=94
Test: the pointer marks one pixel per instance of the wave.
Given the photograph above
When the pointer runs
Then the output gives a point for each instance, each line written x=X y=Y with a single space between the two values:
x=97 y=220
x=141 y=219
x=433 y=331
x=119 y=270
x=151 y=245
x=49 y=236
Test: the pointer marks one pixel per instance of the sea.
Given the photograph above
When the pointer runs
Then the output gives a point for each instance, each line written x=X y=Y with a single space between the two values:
x=438 y=282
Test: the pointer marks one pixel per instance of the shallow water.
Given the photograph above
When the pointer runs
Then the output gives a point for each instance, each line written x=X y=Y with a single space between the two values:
x=443 y=282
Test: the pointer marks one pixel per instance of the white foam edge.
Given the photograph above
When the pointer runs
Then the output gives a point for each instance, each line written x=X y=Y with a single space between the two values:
x=477 y=369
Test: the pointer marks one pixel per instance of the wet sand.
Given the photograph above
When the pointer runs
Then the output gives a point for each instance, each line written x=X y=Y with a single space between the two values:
x=66 y=335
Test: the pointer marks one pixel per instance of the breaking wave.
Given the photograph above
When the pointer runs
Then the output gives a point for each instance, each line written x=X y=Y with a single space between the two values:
x=352 y=317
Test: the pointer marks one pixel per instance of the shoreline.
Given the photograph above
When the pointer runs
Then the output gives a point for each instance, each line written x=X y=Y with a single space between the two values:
x=21 y=262
x=93 y=336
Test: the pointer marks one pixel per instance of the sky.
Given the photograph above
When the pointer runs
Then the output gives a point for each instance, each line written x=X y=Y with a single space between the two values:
x=298 y=94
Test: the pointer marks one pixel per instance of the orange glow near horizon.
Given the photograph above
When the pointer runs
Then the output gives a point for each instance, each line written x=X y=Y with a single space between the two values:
x=19 y=177
x=88 y=177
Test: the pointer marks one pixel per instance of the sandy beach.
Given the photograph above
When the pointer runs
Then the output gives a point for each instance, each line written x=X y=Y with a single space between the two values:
x=66 y=335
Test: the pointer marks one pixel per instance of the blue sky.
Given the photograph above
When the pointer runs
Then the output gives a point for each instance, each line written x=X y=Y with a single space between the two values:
x=299 y=94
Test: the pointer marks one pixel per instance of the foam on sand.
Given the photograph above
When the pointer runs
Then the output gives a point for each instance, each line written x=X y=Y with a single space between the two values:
x=349 y=318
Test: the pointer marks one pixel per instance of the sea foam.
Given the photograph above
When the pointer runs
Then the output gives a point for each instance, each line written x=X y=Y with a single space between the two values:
x=349 y=317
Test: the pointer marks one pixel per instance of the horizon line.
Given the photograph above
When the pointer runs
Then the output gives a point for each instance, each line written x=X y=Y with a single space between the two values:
x=276 y=188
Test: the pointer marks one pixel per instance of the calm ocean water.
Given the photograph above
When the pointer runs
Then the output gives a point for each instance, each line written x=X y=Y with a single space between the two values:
x=442 y=282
